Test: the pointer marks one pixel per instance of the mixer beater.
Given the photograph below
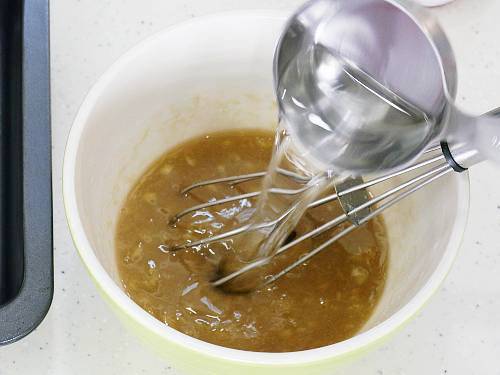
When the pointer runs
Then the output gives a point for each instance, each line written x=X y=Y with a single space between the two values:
x=358 y=204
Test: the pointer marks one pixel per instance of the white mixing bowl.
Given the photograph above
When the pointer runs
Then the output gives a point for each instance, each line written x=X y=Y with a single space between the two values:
x=209 y=74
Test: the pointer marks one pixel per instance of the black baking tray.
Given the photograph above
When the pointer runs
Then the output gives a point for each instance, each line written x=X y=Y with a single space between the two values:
x=26 y=265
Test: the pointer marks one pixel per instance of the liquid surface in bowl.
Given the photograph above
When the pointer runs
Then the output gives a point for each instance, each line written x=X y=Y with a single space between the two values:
x=326 y=300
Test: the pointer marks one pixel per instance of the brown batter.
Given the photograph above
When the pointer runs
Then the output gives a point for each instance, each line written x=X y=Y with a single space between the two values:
x=326 y=300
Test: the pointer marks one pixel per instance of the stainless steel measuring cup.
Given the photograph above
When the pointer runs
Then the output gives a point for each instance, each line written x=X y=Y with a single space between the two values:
x=367 y=85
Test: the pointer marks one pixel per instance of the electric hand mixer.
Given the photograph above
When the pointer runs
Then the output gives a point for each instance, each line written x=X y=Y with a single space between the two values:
x=364 y=87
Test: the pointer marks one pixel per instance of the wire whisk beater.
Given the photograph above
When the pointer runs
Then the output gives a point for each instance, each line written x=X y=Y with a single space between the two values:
x=358 y=204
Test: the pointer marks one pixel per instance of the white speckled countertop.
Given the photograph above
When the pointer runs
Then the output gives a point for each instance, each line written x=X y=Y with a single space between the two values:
x=457 y=332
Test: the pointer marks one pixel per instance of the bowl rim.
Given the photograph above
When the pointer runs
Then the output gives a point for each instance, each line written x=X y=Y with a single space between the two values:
x=141 y=317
